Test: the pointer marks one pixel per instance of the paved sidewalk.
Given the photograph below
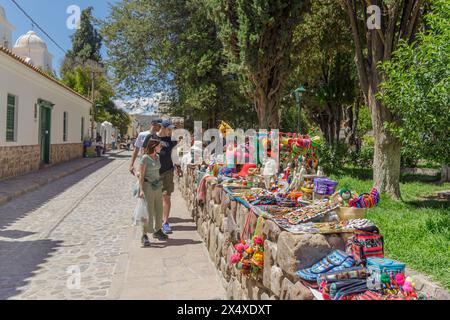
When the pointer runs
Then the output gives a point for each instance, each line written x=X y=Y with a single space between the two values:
x=79 y=227
x=17 y=186
x=179 y=269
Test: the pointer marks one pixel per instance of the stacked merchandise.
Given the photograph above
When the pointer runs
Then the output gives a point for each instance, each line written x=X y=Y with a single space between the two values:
x=302 y=200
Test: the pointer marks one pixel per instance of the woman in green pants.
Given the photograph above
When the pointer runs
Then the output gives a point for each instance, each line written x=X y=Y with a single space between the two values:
x=151 y=190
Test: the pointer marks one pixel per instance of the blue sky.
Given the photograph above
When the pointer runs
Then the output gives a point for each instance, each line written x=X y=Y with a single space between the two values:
x=51 y=16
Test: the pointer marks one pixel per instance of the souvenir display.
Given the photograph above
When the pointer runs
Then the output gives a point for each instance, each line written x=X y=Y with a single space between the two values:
x=338 y=260
x=249 y=255
x=324 y=186
x=311 y=212
x=347 y=198
x=301 y=200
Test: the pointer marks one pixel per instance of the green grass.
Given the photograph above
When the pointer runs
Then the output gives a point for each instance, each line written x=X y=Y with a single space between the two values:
x=416 y=229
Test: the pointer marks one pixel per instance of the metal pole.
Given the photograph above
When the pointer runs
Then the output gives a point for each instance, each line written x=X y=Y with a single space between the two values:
x=93 y=105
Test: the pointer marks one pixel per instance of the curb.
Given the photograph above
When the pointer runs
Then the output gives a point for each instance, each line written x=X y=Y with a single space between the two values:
x=33 y=187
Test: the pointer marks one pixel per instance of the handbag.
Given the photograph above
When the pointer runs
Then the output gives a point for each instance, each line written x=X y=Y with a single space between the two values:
x=365 y=244
x=140 y=215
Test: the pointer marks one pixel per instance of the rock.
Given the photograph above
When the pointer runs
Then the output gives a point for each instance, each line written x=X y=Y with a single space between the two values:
x=212 y=248
x=230 y=290
x=296 y=252
x=270 y=249
x=256 y=293
x=336 y=241
x=217 y=193
x=216 y=213
x=265 y=296
x=241 y=217
x=223 y=223
x=299 y=292
x=286 y=288
x=232 y=230
x=226 y=272
x=220 y=242
x=276 y=280
x=205 y=233
x=271 y=230
x=237 y=290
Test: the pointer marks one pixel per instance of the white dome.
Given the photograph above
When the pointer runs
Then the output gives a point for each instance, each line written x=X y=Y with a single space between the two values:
x=2 y=13
x=30 y=40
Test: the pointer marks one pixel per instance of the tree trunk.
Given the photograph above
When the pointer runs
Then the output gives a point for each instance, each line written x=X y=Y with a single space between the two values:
x=386 y=164
x=268 y=112
x=445 y=173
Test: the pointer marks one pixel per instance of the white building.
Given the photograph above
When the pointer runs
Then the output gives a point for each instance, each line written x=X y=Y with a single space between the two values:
x=6 y=30
x=42 y=121
x=34 y=50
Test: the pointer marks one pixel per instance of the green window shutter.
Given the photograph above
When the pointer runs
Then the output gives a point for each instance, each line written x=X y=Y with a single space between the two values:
x=82 y=128
x=11 y=119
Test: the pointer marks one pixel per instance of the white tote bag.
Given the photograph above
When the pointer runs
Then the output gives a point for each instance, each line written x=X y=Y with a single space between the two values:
x=140 y=216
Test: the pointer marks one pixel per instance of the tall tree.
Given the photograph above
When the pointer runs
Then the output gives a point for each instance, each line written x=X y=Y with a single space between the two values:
x=324 y=63
x=172 y=46
x=257 y=36
x=376 y=37
x=87 y=41
x=83 y=71
x=417 y=88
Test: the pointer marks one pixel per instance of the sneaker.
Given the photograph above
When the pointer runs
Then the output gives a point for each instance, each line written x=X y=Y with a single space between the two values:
x=160 y=235
x=145 y=241
x=167 y=229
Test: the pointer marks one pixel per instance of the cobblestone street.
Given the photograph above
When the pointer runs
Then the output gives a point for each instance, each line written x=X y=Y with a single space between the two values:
x=83 y=223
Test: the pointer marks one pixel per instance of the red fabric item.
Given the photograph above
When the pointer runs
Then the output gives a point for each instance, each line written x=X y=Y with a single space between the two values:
x=245 y=168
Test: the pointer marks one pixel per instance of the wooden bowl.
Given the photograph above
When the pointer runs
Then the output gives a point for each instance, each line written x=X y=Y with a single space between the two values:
x=345 y=213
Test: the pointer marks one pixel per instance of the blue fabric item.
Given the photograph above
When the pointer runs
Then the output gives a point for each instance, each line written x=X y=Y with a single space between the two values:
x=336 y=258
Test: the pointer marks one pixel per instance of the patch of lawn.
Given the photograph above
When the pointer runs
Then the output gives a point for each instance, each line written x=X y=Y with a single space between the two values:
x=416 y=229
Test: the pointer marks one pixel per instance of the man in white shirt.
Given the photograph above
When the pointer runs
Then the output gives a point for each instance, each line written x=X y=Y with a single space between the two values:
x=155 y=128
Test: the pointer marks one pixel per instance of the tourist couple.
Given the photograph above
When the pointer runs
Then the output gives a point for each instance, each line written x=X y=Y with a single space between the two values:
x=156 y=174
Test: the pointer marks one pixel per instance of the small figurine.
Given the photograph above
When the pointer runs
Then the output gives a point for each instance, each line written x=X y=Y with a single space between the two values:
x=344 y=197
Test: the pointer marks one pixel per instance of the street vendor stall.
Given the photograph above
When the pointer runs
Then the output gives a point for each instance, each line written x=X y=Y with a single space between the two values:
x=299 y=199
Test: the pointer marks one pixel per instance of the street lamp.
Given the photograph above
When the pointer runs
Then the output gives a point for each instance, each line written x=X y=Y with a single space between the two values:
x=298 y=97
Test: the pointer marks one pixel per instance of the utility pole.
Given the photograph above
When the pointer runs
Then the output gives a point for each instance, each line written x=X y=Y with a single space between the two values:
x=96 y=68
x=94 y=109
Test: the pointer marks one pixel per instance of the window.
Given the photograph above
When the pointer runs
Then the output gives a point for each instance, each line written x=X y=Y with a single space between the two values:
x=65 y=126
x=82 y=128
x=11 y=119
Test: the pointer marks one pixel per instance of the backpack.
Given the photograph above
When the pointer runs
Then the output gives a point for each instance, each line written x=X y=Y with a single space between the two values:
x=365 y=244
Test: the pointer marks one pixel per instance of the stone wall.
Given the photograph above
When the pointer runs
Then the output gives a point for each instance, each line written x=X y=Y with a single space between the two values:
x=220 y=221
x=15 y=161
x=65 y=152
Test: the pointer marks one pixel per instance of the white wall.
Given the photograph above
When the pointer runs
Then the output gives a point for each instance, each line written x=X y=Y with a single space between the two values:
x=29 y=86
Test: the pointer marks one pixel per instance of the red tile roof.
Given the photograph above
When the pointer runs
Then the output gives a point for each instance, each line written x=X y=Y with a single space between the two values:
x=42 y=73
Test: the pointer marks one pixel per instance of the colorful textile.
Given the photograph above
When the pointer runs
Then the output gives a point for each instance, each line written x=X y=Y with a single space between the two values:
x=338 y=260
x=365 y=245
x=201 y=190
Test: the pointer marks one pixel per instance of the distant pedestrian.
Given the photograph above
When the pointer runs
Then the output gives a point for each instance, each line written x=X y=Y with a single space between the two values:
x=113 y=141
x=99 y=145
x=128 y=142
x=150 y=186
